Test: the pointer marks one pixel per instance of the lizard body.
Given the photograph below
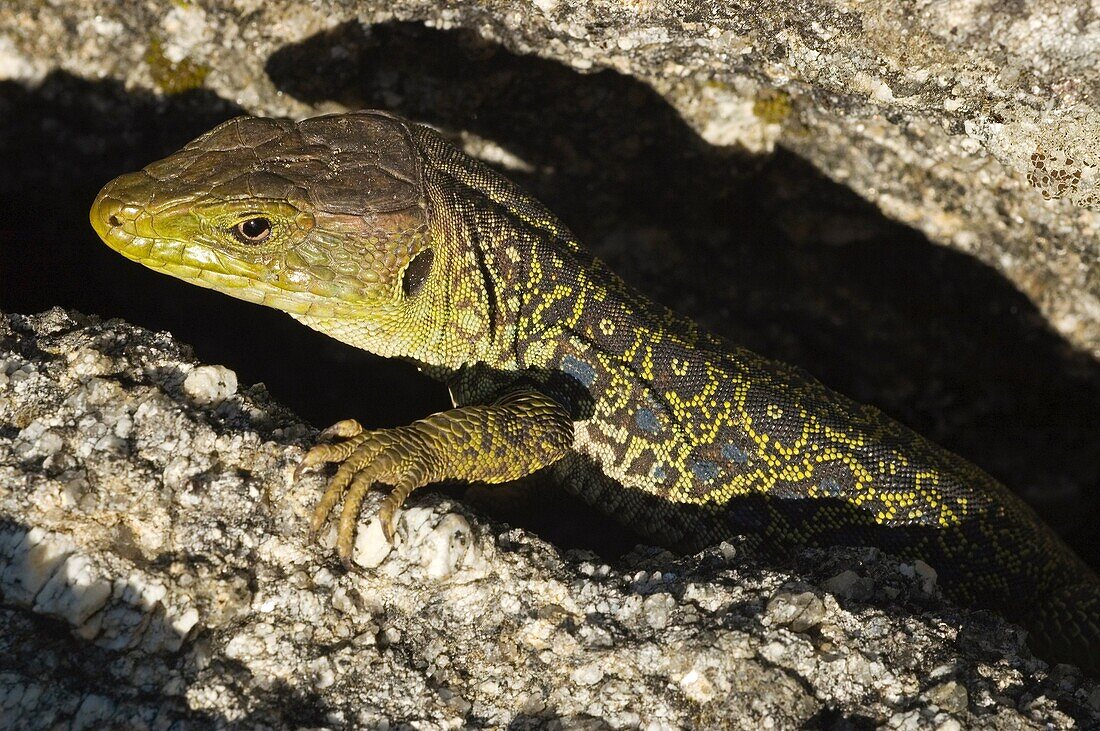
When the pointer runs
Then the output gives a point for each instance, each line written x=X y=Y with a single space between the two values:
x=379 y=233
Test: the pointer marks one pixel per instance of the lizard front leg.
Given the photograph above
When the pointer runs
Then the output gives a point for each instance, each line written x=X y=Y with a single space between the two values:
x=516 y=435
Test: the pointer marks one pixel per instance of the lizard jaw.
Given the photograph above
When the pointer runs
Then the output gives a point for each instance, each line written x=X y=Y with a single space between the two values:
x=128 y=229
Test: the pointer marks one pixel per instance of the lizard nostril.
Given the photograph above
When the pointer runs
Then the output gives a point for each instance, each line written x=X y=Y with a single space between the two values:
x=113 y=220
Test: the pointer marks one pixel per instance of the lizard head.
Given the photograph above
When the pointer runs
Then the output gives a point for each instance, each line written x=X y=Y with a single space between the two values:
x=326 y=219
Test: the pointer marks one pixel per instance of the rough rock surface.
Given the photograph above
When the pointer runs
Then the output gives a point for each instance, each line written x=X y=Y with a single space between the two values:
x=155 y=572
x=973 y=120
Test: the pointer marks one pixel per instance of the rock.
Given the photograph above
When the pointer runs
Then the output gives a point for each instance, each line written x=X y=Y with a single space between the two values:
x=798 y=611
x=950 y=696
x=210 y=384
x=180 y=588
x=848 y=584
x=927 y=574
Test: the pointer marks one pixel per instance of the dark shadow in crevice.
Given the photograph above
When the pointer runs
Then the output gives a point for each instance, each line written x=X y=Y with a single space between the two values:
x=832 y=719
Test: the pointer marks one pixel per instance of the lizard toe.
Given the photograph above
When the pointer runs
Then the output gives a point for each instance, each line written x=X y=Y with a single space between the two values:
x=395 y=457
x=345 y=429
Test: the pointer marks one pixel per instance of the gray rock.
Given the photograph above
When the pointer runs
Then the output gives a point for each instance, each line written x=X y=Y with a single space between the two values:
x=797 y=611
x=164 y=579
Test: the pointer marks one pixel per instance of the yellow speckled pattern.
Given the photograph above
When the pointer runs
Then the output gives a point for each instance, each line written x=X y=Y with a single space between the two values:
x=379 y=233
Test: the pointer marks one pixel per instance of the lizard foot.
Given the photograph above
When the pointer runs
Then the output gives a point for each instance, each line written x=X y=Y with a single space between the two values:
x=348 y=429
x=519 y=433
x=401 y=457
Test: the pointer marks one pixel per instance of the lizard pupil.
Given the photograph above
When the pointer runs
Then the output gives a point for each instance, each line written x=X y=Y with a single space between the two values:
x=416 y=273
x=252 y=231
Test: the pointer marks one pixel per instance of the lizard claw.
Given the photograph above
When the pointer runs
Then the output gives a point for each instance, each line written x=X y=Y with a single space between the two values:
x=397 y=457
x=351 y=567
x=348 y=429
x=307 y=461
x=385 y=518
x=344 y=429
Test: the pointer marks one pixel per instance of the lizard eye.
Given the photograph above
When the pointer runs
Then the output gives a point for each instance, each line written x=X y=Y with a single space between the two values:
x=253 y=231
x=416 y=273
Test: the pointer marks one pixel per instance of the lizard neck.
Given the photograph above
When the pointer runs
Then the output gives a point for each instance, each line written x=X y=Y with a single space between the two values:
x=577 y=308
x=497 y=243
x=517 y=284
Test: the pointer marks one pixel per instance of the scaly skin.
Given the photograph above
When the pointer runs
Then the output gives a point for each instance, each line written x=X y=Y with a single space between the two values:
x=379 y=233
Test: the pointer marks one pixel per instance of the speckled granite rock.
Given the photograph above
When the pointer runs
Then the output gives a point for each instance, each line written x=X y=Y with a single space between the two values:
x=155 y=573
x=973 y=120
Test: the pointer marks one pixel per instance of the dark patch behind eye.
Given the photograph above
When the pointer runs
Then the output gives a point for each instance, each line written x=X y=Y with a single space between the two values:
x=416 y=273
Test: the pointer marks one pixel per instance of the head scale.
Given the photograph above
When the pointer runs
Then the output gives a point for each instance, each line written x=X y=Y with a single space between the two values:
x=326 y=219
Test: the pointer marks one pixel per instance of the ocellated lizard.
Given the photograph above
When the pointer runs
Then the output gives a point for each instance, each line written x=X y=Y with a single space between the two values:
x=381 y=234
